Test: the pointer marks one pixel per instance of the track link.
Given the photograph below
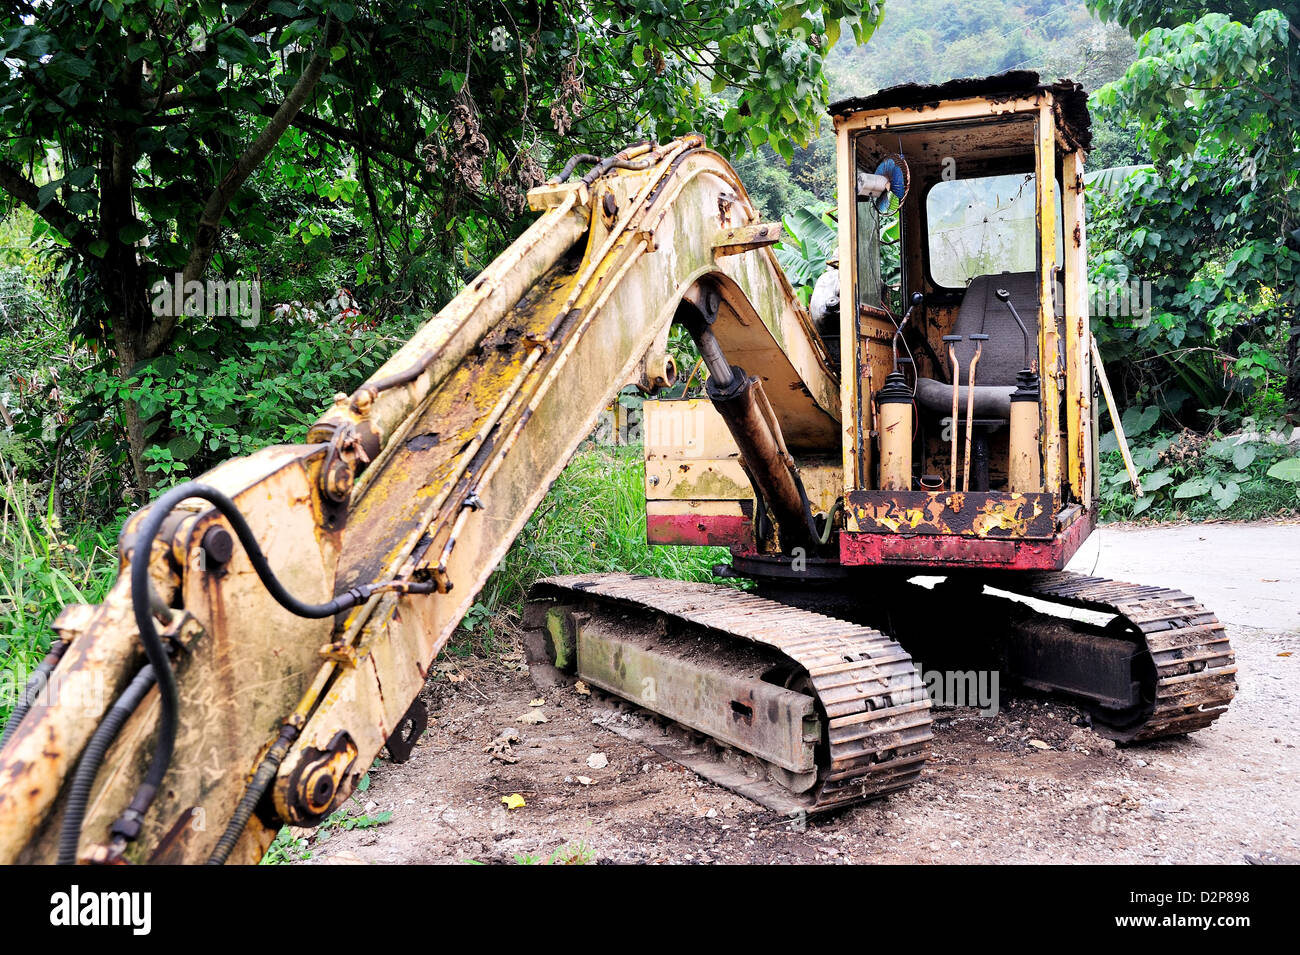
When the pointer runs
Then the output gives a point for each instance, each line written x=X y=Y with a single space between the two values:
x=1195 y=668
x=874 y=709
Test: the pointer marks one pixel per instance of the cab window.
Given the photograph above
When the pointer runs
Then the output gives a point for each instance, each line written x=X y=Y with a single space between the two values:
x=981 y=226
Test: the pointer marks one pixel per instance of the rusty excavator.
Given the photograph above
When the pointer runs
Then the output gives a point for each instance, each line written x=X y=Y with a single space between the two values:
x=905 y=473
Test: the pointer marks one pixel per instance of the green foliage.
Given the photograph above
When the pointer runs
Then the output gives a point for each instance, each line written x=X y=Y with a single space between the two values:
x=288 y=848
x=771 y=52
x=1287 y=470
x=772 y=186
x=691 y=372
x=1139 y=16
x=44 y=567
x=1112 y=178
x=1186 y=474
x=571 y=853
x=22 y=302
x=478 y=633
x=1213 y=225
x=221 y=396
x=811 y=239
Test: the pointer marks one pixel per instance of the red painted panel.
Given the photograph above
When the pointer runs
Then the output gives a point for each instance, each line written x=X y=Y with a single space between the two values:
x=904 y=550
x=699 y=530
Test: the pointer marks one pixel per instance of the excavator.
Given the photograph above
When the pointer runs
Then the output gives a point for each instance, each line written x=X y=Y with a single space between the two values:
x=907 y=472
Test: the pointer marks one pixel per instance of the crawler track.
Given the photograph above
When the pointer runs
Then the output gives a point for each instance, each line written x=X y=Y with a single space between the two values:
x=1194 y=676
x=874 y=710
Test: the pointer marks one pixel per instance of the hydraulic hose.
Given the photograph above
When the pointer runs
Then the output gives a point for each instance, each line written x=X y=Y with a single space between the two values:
x=142 y=599
x=91 y=759
x=253 y=792
x=32 y=689
x=824 y=537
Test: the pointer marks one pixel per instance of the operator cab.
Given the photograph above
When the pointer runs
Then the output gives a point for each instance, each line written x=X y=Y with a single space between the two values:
x=967 y=389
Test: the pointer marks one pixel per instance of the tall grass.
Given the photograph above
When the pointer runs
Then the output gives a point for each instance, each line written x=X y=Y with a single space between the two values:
x=43 y=566
x=591 y=521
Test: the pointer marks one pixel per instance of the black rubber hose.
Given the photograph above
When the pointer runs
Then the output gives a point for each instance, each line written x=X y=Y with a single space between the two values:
x=92 y=757
x=571 y=165
x=614 y=162
x=253 y=792
x=32 y=689
x=142 y=602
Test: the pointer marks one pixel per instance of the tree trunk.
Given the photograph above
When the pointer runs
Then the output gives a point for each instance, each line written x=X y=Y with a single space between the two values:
x=128 y=355
x=133 y=322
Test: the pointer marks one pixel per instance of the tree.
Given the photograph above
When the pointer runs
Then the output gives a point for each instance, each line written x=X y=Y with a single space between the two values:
x=134 y=128
x=1216 y=225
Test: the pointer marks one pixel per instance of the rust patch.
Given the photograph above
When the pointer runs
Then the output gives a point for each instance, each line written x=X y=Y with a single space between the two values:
x=982 y=514
x=877 y=549
x=171 y=847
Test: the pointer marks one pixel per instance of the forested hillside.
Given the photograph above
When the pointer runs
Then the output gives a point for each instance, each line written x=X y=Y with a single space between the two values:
x=921 y=41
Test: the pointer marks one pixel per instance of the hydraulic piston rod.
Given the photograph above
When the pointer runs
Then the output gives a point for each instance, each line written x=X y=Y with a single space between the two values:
x=740 y=400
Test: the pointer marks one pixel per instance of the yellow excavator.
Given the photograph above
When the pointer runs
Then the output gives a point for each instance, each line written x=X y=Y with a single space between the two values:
x=910 y=468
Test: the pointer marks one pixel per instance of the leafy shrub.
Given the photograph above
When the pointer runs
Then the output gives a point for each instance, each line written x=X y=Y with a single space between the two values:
x=1251 y=473
x=1211 y=224
x=45 y=566
x=220 y=395
x=812 y=238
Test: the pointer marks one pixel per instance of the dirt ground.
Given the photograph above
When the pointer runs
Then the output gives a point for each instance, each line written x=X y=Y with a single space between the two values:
x=1030 y=784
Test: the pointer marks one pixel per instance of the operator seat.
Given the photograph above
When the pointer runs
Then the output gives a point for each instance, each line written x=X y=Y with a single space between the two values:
x=1003 y=355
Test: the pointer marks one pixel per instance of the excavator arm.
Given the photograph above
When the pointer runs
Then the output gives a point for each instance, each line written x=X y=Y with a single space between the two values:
x=273 y=623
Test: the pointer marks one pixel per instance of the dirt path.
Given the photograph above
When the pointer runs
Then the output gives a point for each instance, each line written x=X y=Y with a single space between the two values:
x=991 y=793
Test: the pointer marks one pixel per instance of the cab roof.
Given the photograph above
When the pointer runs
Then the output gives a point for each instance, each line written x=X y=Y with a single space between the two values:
x=1070 y=98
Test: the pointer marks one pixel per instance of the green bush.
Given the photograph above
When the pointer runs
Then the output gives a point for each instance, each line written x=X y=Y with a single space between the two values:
x=1185 y=474
x=219 y=395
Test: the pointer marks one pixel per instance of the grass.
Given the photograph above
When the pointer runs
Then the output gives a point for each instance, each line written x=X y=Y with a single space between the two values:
x=571 y=853
x=591 y=521
x=43 y=567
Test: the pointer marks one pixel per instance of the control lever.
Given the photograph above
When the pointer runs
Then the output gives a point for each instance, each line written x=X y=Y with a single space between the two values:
x=918 y=299
x=1026 y=379
x=1004 y=297
x=979 y=341
x=953 y=341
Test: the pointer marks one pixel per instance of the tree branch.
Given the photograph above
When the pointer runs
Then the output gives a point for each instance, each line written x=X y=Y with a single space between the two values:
x=193 y=61
x=54 y=212
x=309 y=123
x=209 y=225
